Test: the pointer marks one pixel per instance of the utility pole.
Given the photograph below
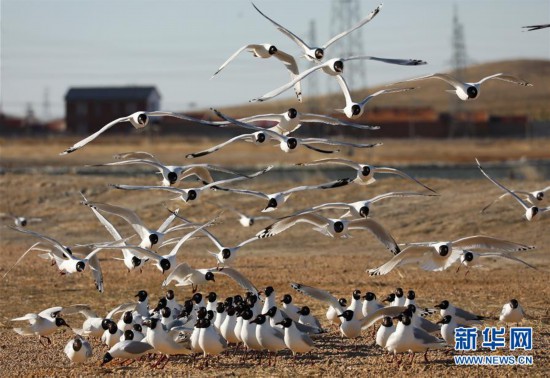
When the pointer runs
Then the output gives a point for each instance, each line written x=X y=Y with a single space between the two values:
x=30 y=119
x=46 y=105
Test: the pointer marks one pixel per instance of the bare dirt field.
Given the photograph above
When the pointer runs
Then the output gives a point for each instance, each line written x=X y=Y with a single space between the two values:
x=298 y=255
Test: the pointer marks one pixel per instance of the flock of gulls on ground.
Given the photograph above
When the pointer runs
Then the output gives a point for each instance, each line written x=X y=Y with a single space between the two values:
x=205 y=324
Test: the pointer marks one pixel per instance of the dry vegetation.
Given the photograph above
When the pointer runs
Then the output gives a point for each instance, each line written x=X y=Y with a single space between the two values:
x=505 y=99
x=41 y=153
x=300 y=254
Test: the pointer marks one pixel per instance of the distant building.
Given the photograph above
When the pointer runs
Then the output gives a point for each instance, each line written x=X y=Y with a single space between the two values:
x=89 y=109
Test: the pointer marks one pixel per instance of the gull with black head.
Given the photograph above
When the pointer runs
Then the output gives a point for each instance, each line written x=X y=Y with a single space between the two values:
x=191 y=194
x=531 y=211
x=268 y=50
x=469 y=91
x=332 y=227
x=365 y=172
x=139 y=120
x=292 y=120
x=171 y=174
x=438 y=256
x=317 y=53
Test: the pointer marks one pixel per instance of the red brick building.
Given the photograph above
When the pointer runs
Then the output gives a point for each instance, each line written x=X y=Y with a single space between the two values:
x=89 y=109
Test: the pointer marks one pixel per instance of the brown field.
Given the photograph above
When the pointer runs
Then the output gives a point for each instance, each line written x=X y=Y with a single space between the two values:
x=298 y=255
x=504 y=99
x=39 y=152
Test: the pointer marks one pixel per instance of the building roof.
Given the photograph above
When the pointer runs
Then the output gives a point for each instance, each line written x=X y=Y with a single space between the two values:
x=110 y=93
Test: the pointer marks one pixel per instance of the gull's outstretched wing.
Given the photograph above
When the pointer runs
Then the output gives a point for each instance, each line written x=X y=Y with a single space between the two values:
x=349 y=163
x=308 y=117
x=126 y=214
x=402 y=174
x=401 y=62
x=489 y=242
x=287 y=222
x=390 y=311
x=384 y=91
x=232 y=57
x=219 y=146
x=178 y=274
x=378 y=231
x=410 y=255
x=502 y=187
x=88 y=139
x=508 y=78
x=238 y=277
x=285 y=31
x=56 y=244
x=292 y=67
x=328 y=185
x=290 y=84
x=447 y=78
x=369 y=17
x=319 y=294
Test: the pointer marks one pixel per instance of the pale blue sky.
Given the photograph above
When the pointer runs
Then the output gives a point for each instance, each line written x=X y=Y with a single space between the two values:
x=177 y=45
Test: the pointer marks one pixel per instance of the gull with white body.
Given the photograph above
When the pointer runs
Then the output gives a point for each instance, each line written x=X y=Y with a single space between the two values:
x=360 y=209
x=354 y=110
x=365 y=172
x=167 y=262
x=469 y=91
x=532 y=197
x=438 y=256
x=317 y=53
x=19 y=220
x=171 y=174
x=191 y=194
x=68 y=263
x=42 y=324
x=512 y=312
x=531 y=212
x=285 y=143
x=460 y=315
x=275 y=200
x=334 y=67
x=244 y=219
x=268 y=50
x=78 y=350
x=138 y=119
x=472 y=259
x=292 y=120
x=150 y=238
x=332 y=227
x=184 y=275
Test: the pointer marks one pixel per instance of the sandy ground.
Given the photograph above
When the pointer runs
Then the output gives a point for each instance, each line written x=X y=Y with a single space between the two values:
x=298 y=255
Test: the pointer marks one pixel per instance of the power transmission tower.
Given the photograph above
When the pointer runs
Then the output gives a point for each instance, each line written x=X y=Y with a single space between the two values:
x=459 y=60
x=345 y=14
x=459 y=57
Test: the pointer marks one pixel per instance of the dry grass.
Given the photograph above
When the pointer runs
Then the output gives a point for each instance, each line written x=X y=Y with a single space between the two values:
x=504 y=99
x=300 y=255
x=39 y=153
